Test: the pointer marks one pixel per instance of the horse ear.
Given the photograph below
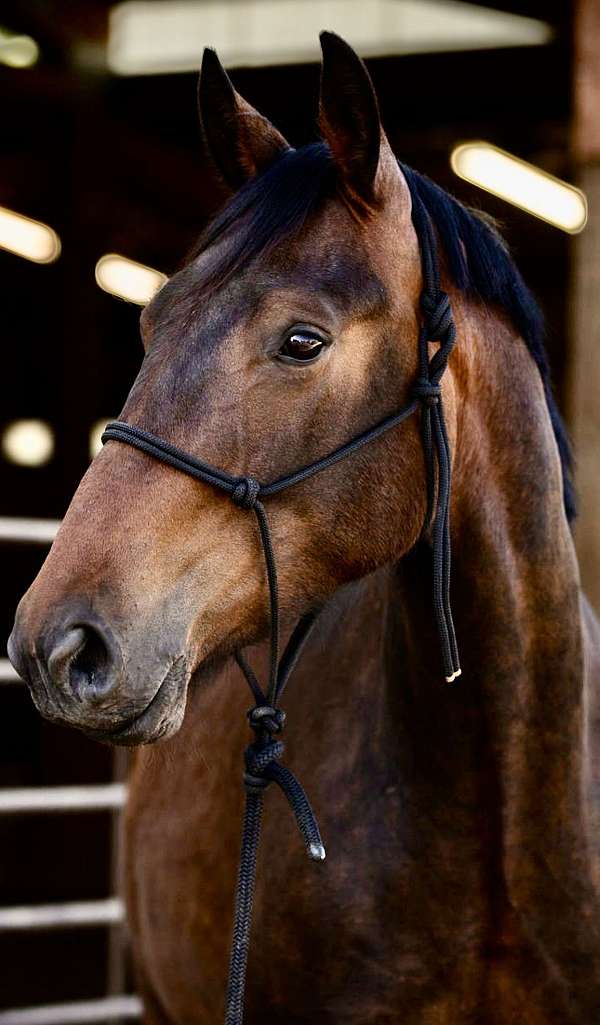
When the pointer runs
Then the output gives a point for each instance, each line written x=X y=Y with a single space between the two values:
x=349 y=118
x=240 y=141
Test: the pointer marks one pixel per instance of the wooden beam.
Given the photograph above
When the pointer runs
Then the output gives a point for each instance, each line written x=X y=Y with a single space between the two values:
x=584 y=363
x=586 y=72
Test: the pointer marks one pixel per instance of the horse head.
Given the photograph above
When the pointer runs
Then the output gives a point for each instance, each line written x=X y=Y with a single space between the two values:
x=291 y=328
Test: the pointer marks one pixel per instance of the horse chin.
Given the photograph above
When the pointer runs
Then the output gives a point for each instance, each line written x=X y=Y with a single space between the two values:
x=161 y=718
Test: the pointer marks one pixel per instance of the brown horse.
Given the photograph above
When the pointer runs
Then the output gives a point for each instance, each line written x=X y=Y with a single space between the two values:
x=461 y=820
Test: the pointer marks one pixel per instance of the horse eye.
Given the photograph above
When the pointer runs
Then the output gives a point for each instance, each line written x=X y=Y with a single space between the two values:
x=301 y=347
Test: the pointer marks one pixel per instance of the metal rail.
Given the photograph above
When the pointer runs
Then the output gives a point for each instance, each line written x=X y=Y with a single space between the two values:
x=28 y=531
x=118 y=1008
x=96 y=797
x=108 y=913
x=7 y=673
x=62 y=916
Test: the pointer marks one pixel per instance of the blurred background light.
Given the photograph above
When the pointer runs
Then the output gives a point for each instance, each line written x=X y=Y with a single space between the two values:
x=127 y=279
x=96 y=431
x=521 y=184
x=164 y=36
x=28 y=442
x=18 y=51
x=27 y=238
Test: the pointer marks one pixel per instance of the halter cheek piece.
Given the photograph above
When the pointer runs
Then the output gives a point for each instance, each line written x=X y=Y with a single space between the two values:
x=266 y=719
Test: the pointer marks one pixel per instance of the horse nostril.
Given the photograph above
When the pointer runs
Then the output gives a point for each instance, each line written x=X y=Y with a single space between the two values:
x=80 y=662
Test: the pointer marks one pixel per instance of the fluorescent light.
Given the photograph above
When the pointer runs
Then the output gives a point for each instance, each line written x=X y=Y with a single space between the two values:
x=157 y=36
x=18 y=51
x=28 y=442
x=127 y=279
x=96 y=432
x=30 y=239
x=522 y=184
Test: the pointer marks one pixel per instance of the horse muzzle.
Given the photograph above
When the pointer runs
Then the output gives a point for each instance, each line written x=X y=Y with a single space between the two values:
x=77 y=677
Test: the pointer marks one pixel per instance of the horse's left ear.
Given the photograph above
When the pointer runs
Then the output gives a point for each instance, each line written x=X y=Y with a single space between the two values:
x=349 y=119
x=239 y=140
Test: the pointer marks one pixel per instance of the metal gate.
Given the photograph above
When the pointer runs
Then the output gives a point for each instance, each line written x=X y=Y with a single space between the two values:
x=114 y=1004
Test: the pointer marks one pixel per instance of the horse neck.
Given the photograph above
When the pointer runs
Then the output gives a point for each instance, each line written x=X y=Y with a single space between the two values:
x=516 y=719
x=508 y=738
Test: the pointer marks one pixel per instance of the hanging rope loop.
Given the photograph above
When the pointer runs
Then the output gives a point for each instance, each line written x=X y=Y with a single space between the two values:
x=245 y=493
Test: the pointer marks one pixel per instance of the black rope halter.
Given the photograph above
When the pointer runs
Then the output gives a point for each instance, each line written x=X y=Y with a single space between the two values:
x=266 y=718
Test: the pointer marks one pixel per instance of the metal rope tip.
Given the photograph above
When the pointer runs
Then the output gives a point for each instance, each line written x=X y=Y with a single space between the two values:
x=316 y=852
x=450 y=679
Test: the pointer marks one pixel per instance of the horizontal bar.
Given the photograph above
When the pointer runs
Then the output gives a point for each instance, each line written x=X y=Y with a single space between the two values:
x=76 y=1013
x=62 y=916
x=7 y=673
x=37 y=532
x=17 y=800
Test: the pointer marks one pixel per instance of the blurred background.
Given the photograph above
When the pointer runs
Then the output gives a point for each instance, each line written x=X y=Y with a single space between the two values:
x=102 y=191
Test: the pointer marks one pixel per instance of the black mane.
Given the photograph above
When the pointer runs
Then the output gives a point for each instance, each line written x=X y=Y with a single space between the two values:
x=274 y=206
x=269 y=209
x=485 y=270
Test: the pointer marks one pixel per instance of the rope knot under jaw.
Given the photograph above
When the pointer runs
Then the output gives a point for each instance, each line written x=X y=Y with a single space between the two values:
x=427 y=391
x=257 y=759
x=246 y=492
x=438 y=314
x=265 y=721
x=266 y=717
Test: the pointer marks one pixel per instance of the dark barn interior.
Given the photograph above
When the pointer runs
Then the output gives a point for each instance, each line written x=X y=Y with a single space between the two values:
x=114 y=165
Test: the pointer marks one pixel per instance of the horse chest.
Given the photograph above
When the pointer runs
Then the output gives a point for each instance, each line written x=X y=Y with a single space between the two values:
x=368 y=936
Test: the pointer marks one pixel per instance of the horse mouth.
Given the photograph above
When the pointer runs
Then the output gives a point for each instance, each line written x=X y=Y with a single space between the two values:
x=161 y=718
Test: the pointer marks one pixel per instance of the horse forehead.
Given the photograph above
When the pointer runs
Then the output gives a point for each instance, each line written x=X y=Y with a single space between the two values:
x=343 y=280
x=340 y=271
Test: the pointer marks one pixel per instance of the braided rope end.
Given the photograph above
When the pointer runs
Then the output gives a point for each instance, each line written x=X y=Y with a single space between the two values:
x=316 y=852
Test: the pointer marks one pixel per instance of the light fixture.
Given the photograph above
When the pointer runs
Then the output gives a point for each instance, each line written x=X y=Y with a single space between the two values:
x=127 y=279
x=96 y=431
x=28 y=442
x=18 y=51
x=522 y=184
x=159 y=36
x=27 y=238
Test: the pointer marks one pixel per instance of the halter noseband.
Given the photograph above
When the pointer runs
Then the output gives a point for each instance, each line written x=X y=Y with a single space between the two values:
x=266 y=719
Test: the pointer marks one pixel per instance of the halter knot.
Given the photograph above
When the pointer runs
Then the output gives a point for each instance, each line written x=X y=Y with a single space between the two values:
x=257 y=759
x=438 y=314
x=246 y=492
x=266 y=717
x=427 y=391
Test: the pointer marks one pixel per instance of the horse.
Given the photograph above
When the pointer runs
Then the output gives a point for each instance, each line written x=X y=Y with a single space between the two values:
x=461 y=819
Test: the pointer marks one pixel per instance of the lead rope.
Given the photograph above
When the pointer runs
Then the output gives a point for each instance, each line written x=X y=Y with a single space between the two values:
x=265 y=718
x=437 y=325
